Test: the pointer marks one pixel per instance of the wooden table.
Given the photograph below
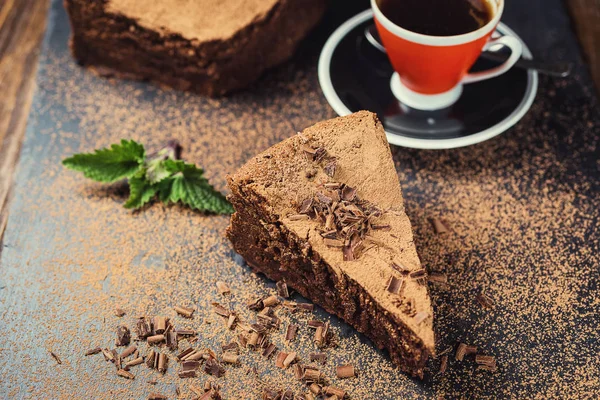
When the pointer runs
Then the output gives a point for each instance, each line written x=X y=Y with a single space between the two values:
x=22 y=24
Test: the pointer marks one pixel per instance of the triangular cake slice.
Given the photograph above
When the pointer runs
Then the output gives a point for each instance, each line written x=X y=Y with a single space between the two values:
x=323 y=210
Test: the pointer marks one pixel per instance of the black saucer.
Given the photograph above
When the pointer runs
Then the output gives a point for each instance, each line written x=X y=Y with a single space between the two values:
x=356 y=76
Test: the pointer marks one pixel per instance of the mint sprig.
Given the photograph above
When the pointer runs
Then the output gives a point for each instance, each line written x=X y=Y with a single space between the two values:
x=160 y=175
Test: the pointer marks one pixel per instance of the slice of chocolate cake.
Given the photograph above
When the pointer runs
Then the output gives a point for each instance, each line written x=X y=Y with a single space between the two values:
x=207 y=46
x=323 y=211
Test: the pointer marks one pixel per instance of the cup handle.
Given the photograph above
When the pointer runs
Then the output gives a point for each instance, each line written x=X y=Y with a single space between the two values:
x=515 y=54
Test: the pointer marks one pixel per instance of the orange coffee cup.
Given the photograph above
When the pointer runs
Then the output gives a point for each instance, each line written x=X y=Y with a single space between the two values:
x=430 y=70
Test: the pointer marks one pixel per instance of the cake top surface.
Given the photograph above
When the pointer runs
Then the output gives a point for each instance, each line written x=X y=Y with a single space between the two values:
x=203 y=20
x=387 y=267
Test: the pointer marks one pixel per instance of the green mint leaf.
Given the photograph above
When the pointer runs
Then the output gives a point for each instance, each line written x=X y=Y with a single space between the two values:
x=188 y=186
x=111 y=164
x=157 y=171
x=140 y=191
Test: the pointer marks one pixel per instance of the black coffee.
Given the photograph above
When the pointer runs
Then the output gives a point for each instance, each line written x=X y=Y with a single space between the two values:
x=438 y=17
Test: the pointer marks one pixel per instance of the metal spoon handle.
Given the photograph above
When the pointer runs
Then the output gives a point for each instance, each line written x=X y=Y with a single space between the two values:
x=558 y=69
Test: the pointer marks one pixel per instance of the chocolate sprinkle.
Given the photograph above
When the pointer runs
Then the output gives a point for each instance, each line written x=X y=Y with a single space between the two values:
x=123 y=336
x=212 y=367
x=395 y=285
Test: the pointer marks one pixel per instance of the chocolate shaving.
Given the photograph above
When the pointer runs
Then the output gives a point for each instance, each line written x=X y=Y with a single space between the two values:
x=324 y=199
x=395 y=285
x=271 y=301
x=162 y=363
x=290 y=358
x=281 y=356
x=348 y=193
x=311 y=375
x=330 y=168
x=231 y=321
x=345 y=371
x=185 y=332
x=484 y=300
x=56 y=357
x=185 y=353
x=269 y=350
x=144 y=328
x=123 y=336
x=220 y=310
x=253 y=340
x=255 y=304
x=298 y=371
x=400 y=268
x=318 y=357
x=308 y=150
x=319 y=337
x=290 y=334
x=243 y=340
x=186 y=312
x=157 y=396
x=133 y=363
x=171 y=339
x=313 y=323
x=125 y=374
x=282 y=289
x=192 y=365
x=443 y=364
x=230 y=357
x=418 y=275
x=485 y=360
x=129 y=351
x=231 y=346
x=156 y=339
x=119 y=312
x=314 y=388
x=150 y=359
x=93 y=351
x=160 y=324
x=308 y=307
x=470 y=350
x=439 y=226
x=460 y=352
x=306 y=206
x=212 y=367
x=320 y=152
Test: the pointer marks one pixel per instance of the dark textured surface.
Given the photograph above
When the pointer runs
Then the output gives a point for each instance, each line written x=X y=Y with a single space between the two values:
x=523 y=207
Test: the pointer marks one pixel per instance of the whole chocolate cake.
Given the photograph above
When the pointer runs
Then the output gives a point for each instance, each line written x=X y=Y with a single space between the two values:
x=323 y=210
x=206 y=46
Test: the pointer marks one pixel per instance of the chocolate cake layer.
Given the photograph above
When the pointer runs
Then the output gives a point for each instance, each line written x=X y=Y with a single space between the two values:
x=172 y=43
x=274 y=239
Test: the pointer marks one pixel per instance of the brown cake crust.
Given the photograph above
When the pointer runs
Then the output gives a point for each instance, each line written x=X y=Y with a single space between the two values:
x=119 y=45
x=263 y=192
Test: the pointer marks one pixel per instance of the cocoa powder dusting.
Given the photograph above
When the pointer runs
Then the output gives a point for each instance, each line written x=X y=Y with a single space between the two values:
x=524 y=225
